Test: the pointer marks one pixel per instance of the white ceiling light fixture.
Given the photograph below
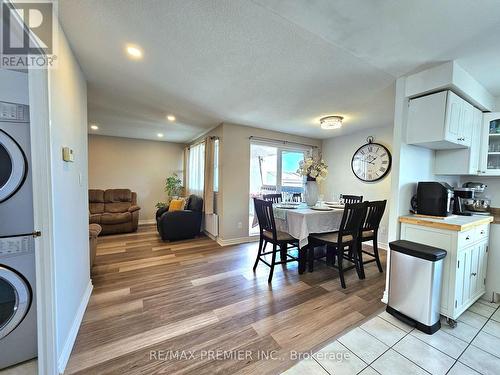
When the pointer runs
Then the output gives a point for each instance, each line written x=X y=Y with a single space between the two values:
x=160 y=135
x=94 y=127
x=134 y=52
x=171 y=118
x=331 y=122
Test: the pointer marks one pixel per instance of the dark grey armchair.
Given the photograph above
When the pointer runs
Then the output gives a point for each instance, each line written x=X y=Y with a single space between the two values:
x=180 y=225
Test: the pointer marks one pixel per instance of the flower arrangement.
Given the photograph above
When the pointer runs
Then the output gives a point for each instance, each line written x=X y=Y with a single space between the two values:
x=313 y=169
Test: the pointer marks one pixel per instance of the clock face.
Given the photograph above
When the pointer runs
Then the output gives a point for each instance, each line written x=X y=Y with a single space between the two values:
x=371 y=162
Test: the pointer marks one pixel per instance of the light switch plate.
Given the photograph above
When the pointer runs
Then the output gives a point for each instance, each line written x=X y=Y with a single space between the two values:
x=68 y=155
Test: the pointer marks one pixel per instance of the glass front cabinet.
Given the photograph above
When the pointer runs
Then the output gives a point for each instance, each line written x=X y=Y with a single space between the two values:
x=490 y=145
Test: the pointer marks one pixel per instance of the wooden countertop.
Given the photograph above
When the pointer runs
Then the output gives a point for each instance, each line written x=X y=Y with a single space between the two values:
x=456 y=223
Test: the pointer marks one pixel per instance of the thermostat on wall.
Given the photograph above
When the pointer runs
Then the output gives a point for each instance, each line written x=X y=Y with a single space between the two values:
x=68 y=154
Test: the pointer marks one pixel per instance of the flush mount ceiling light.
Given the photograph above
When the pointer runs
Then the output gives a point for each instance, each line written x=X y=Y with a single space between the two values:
x=331 y=122
x=94 y=127
x=171 y=118
x=160 y=135
x=134 y=52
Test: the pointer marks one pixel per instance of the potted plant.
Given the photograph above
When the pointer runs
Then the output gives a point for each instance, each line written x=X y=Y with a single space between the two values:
x=173 y=188
x=315 y=170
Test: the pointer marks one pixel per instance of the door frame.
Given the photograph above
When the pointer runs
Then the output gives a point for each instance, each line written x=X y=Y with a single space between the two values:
x=38 y=82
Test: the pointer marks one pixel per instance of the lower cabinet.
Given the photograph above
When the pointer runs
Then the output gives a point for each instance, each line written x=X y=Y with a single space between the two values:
x=464 y=268
x=470 y=275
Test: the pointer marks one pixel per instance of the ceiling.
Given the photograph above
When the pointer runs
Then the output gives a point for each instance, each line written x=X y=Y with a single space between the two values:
x=274 y=64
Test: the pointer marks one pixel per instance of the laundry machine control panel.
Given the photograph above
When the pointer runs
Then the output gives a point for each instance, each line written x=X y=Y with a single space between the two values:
x=14 y=112
x=16 y=245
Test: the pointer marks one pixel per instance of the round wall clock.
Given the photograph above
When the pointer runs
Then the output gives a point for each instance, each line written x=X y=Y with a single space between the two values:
x=371 y=162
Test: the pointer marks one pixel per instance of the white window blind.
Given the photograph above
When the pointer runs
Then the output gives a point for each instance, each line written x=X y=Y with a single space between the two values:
x=196 y=169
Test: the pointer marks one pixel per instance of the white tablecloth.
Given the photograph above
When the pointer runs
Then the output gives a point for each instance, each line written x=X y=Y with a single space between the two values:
x=301 y=222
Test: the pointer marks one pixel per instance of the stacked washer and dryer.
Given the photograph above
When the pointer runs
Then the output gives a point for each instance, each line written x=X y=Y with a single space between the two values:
x=18 y=339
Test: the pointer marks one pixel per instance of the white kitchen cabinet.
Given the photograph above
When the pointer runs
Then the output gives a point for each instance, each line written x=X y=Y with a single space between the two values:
x=463 y=161
x=489 y=163
x=440 y=121
x=464 y=267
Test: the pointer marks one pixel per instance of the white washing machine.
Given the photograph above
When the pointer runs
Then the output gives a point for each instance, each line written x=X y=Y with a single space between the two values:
x=18 y=338
x=18 y=341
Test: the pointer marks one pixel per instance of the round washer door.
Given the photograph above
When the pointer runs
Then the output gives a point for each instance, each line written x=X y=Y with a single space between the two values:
x=13 y=166
x=15 y=300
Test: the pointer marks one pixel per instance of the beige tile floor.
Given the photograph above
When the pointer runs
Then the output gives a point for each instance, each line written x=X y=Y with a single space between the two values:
x=384 y=345
x=25 y=368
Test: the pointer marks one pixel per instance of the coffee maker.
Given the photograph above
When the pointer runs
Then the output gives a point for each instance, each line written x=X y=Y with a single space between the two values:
x=434 y=199
x=461 y=197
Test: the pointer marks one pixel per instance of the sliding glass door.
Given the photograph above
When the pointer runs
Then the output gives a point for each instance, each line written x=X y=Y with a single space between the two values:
x=273 y=169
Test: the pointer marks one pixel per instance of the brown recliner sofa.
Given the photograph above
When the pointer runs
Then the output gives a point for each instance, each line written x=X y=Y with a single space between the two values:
x=115 y=210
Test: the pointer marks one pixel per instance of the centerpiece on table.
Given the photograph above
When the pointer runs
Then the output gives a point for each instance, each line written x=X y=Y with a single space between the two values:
x=316 y=171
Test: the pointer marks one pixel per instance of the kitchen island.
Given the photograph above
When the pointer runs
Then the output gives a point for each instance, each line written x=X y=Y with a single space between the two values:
x=465 y=238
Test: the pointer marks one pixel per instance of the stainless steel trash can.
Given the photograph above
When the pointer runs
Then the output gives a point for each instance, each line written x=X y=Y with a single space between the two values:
x=415 y=284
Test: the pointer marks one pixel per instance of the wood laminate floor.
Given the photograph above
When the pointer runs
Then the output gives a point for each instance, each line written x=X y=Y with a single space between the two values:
x=193 y=307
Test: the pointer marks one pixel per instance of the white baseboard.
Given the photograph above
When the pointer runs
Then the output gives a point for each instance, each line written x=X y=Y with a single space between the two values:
x=236 y=241
x=147 y=222
x=383 y=245
x=70 y=340
x=210 y=235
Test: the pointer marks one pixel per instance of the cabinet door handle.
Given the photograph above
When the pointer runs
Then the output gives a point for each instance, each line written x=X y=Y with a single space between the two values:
x=473 y=274
x=467 y=238
x=482 y=232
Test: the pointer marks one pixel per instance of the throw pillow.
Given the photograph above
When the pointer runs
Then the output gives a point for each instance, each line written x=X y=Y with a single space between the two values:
x=176 y=205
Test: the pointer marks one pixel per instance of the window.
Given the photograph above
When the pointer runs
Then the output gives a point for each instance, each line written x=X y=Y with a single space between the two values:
x=196 y=169
x=216 y=165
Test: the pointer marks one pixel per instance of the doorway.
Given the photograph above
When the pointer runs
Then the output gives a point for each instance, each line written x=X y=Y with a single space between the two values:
x=273 y=169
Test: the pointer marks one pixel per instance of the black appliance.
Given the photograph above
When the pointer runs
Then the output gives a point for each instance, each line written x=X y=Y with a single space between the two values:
x=462 y=197
x=434 y=199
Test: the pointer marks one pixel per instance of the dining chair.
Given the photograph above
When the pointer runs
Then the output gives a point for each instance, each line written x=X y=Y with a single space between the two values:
x=297 y=197
x=269 y=234
x=343 y=244
x=275 y=198
x=352 y=198
x=369 y=231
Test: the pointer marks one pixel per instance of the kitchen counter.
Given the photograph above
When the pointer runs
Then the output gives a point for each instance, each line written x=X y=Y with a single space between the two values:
x=455 y=223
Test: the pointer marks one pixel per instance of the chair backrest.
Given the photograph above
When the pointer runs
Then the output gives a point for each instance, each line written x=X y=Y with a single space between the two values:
x=352 y=198
x=194 y=203
x=275 y=198
x=374 y=212
x=353 y=219
x=297 y=197
x=265 y=215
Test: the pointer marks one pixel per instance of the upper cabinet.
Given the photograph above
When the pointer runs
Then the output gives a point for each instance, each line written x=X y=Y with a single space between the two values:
x=440 y=121
x=462 y=161
x=489 y=163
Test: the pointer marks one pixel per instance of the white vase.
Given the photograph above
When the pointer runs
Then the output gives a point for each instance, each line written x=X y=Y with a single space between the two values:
x=311 y=193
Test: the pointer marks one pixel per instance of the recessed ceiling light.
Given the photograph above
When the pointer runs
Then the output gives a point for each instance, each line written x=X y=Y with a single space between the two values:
x=134 y=52
x=171 y=118
x=160 y=135
x=94 y=127
x=331 y=122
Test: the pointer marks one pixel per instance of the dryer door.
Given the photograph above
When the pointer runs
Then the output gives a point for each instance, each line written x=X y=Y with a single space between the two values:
x=15 y=300
x=13 y=166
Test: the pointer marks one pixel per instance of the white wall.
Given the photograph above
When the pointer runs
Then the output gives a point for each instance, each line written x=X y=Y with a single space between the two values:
x=139 y=165
x=338 y=152
x=68 y=116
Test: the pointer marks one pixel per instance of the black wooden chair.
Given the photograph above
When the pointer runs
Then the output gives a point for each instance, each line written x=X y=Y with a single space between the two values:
x=369 y=232
x=352 y=198
x=275 y=198
x=343 y=244
x=297 y=197
x=268 y=233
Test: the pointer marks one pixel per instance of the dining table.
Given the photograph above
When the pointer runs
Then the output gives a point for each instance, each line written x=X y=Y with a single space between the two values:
x=300 y=221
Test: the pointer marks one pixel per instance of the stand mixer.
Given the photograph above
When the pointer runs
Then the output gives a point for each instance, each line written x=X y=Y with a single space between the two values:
x=470 y=199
